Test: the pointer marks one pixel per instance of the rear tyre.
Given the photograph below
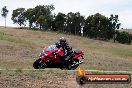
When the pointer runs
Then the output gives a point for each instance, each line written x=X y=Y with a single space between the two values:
x=38 y=64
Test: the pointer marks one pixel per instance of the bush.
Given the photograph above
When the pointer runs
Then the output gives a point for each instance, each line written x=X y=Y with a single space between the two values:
x=124 y=37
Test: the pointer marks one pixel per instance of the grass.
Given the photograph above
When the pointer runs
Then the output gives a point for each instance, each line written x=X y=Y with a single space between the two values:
x=11 y=38
x=20 y=47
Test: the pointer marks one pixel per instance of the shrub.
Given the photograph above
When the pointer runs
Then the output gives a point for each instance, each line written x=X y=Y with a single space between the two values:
x=124 y=37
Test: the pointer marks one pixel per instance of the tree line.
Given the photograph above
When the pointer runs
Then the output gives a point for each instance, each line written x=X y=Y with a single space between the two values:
x=95 y=26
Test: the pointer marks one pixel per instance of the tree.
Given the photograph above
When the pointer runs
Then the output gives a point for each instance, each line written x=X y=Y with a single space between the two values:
x=30 y=16
x=74 y=22
x=46 y=12
x=87 y=32
x=114 y=24
x=79 y=22
x=34 y=15
x=49 y=16
x=4 y=13
x=59 y=21
x=18 y=16
x=97 y=26
x=41 y=21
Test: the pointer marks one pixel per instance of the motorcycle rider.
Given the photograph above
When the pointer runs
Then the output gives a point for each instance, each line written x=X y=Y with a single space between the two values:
x=62 y=43
x=68 y=53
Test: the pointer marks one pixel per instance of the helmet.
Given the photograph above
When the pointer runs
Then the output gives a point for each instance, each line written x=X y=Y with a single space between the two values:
x=62 y=41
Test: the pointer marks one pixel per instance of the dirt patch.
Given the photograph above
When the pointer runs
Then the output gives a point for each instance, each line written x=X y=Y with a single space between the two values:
x=49 y=81
x=29 y=81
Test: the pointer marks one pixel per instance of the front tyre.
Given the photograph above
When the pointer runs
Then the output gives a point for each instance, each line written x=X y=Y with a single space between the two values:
x=38 y=64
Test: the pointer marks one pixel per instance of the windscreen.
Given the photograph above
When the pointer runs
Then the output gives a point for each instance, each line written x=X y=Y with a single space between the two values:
x=50 y=48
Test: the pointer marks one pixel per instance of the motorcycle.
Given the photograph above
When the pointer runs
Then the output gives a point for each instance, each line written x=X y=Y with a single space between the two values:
x=50 y=57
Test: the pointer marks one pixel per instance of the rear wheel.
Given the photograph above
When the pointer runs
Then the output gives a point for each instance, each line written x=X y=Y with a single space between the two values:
x=38 y=64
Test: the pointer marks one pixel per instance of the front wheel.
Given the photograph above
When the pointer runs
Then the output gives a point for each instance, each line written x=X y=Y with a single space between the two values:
x=38 y=64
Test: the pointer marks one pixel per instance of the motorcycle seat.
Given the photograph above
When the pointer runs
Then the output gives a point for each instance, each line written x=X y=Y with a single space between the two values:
x=77 y=51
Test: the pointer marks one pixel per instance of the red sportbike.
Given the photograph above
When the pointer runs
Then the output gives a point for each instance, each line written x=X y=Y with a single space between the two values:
x=50 y=57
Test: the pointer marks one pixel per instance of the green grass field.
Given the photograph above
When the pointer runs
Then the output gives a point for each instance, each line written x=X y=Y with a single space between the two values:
x=20 y=47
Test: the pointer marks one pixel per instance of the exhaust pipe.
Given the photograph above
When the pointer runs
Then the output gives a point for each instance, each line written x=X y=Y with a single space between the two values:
x=80 y=62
